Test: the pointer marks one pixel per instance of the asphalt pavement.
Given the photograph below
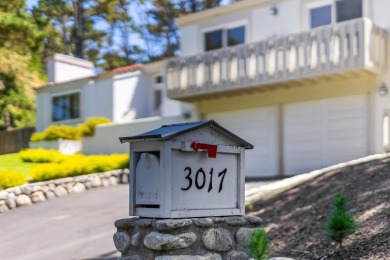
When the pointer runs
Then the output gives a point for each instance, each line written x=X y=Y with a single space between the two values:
x=78 y=226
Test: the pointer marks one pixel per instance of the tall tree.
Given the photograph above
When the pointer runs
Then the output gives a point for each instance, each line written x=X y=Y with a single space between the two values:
x=75 y=21
x=20 y=69
x=161 y=23
x=119 y=49
x=52 y=18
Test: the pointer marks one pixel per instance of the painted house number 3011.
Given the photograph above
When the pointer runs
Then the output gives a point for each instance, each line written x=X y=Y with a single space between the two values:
x=200 y=179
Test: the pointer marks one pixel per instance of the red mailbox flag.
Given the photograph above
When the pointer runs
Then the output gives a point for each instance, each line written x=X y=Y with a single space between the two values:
x=211 y=149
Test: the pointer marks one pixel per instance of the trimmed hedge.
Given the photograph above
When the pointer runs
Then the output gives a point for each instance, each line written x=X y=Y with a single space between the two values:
x=88 y=128
x=41 y=155
x=55 y=132
x=10 y=179
x=79 y=165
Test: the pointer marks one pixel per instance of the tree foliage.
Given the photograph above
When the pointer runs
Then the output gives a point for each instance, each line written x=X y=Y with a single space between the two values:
x=106 y=31
x=340 y=223
x=20 y=67
x=110 y=33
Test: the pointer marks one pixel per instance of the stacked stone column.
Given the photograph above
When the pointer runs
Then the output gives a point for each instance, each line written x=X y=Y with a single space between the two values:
x=210 y=238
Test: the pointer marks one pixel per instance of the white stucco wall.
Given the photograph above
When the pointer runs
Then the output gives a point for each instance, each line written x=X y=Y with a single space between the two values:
x=288 y=20
x=292 y=17
x=188 y=42
x=101 y=98
x=44 y=102
x=131 y=96
x=379 y=13
x=96 y=99
x=122 y=97
x=42 y=108
x=62 y=68
x=260 y=24
x=106 y=138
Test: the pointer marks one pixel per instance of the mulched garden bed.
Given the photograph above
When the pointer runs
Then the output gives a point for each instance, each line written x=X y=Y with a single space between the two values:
x=295 y=219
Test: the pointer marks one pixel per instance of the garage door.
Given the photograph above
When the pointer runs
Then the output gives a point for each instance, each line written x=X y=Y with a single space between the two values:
x=259 y=127
x=321 y=133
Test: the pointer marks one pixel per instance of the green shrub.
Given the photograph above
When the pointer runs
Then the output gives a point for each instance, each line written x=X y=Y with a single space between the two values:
x=10 y=179
x=340 y=223
x=41 y=156
x=88 y=128
x=55 y=132
x=78 y=165
x=259 y=245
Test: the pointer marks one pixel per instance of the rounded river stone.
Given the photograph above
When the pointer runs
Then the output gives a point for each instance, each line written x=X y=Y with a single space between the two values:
x=122 y=241
x=217 y=239
x=159 y=241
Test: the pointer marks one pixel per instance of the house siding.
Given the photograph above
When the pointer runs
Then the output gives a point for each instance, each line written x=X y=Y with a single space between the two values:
x=292 y=17
x=322 y=95
x=132 y=97
x=282 y=95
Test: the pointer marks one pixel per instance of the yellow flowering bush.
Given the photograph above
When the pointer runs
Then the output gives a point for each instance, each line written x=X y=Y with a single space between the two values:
x=41 y=155
x=10 y=179
x=78 y=165
x=55 y=132
x=88 y=128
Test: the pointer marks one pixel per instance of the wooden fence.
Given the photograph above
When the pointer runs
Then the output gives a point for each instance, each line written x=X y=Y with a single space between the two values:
x=14 y=141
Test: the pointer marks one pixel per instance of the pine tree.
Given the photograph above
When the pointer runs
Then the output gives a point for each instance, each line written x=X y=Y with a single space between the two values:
x=161 y=26
x=340 y=223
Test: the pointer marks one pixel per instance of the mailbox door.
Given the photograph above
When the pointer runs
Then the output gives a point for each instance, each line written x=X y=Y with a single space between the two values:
x=204 y=186
x=147 y=180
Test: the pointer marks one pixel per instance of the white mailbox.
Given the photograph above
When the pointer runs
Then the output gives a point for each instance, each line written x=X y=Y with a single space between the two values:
x=187 y=170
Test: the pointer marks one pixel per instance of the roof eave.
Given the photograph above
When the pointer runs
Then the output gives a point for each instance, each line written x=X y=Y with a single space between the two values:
x=217 y=11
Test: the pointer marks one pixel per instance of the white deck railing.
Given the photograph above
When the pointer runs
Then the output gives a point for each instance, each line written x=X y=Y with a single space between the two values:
x=351 y=45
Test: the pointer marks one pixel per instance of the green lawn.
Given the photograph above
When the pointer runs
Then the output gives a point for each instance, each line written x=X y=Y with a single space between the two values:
x=12 y=162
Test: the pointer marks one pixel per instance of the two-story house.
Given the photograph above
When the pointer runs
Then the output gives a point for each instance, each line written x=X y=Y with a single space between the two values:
x=122 y=95
x=133 y=97
x=305 y=81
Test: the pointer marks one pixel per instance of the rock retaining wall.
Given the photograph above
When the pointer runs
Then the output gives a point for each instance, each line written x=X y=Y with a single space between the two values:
x=36 y=192
x=210 y=238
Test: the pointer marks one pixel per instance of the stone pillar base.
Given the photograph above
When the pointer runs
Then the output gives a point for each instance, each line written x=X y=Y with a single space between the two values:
x=211 y=238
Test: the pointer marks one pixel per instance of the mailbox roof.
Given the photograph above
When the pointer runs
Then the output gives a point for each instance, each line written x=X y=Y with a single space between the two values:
x=167 y=132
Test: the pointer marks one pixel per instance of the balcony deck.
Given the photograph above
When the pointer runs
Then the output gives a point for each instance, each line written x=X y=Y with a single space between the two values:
x=356 y=45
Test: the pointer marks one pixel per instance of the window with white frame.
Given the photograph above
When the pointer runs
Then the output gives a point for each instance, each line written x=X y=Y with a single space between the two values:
x=224 y=37
x=66 y=107
x=331 y=11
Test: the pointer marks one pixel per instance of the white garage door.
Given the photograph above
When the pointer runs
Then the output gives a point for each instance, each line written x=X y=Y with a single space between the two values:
x=258 y=126
x=325 y=132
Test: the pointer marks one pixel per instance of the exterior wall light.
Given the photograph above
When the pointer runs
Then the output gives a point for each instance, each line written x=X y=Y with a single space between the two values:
x=273 y=10
x=383 y=90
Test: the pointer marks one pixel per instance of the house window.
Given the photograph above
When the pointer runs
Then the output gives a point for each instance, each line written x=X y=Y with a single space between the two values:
x=328 y=12
x=348 y=10
x=235 y=36
x=226 y=37
x=158 y=79
x=213 y=40
x=157 y=98
x=66 y=107
x=157 y=93
x=320 y=16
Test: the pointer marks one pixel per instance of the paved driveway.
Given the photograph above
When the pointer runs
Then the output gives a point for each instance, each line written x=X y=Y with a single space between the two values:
x=78 y=226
